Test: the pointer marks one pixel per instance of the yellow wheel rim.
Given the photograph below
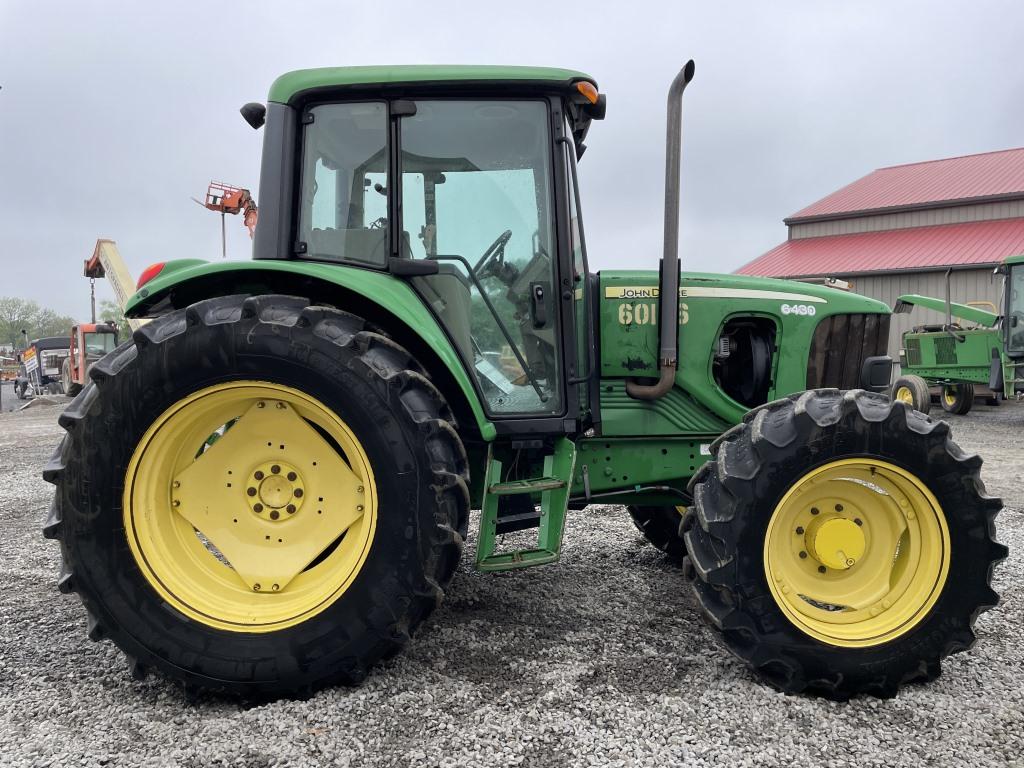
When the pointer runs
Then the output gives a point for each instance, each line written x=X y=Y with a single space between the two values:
x=244 y=516
x=949 y=395
x=857 y=552
x=904 y=395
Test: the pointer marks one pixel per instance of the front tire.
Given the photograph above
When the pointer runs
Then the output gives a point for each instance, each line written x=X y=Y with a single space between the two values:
x=182 y=579
x=957 y=398
x=912 y=390
x=842 y=543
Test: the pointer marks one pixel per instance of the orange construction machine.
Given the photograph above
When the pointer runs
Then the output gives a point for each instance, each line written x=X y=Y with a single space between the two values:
x=224 y=198
x=89 y=342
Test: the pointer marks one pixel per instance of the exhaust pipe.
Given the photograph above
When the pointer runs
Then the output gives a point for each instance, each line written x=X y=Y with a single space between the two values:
x=668 y=280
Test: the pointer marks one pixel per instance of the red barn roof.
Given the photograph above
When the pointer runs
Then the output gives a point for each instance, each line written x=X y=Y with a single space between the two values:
x=988 y=175
x=978 y=242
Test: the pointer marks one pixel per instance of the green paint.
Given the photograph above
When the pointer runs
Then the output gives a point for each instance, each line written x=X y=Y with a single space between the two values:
x=292 y=84
x=608 y=464
x=960 y=311
x=629 y=339
x=552 y=487
x=394 y=295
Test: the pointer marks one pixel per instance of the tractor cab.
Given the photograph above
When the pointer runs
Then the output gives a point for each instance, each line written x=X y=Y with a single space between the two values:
x=1014 y=306
x=89 y=342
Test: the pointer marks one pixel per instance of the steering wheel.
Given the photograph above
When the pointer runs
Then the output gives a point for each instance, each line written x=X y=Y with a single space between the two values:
x=495 y=253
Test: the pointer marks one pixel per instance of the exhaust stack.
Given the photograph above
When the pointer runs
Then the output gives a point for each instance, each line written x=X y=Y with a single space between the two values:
x=668 y=281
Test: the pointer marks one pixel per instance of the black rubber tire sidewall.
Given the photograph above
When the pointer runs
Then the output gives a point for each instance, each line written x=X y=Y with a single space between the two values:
x=340 y=642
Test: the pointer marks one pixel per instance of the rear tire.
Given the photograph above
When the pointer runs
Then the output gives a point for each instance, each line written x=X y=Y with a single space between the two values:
x=400 y=421
x=957 y=398
x=739 y=494
x=661 y=525
x=912 y=390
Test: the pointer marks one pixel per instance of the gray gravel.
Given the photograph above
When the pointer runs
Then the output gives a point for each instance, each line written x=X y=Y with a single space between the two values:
x=599 y=660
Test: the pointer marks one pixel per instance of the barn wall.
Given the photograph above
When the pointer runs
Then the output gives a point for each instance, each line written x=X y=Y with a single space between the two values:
x=965 y=286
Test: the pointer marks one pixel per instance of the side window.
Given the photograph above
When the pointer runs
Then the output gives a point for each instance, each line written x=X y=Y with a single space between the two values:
x=342 y=194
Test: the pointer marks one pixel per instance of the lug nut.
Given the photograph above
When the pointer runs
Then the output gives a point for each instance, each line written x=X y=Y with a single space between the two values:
x=256 y=587
x=261 y=404
x=858 y=521
x=176 y=484
x=839 y=507
x=258 y=474
x=274 y=514
x=280 y=406
x=291 y=509
x=175 y=503
x=275 y=469
x=822 y=569
x=359 y=489
x=359 y=507
x=276 y=586
x=814 y=510
x=292 y=476
x=251 y=491
x=803 y=555
x=298 y=493
x=257 y=507
x=799 y=530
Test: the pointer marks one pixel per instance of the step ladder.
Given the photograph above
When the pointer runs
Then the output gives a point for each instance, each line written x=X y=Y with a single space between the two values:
x=512 y=506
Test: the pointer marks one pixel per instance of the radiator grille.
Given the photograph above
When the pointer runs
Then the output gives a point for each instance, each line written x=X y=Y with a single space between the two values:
x=840 y=345
x=945 y=350
x=913 y=351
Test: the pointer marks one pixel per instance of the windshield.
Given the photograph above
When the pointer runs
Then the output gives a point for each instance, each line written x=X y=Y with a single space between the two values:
x=1015 y=309
x=476 y=196
x=99 y=343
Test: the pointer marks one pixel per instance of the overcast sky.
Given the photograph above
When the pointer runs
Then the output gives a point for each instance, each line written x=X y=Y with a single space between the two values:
x=113 y=115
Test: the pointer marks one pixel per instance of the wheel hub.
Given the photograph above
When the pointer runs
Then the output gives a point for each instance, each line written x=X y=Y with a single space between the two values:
x=837 y=543
x=275 y=490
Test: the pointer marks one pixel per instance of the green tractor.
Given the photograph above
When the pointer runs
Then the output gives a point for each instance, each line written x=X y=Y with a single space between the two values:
x=954 y=358
x=268 y=488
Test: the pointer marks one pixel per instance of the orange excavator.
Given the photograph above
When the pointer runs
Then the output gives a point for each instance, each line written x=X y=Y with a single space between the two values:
x=224 y=198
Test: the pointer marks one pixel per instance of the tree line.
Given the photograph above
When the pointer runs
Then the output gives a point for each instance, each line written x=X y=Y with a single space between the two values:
x=23 y=314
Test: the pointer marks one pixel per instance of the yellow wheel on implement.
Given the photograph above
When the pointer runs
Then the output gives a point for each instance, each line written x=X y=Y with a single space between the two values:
x=857 y=552
x=250 y=506
x=904 y=395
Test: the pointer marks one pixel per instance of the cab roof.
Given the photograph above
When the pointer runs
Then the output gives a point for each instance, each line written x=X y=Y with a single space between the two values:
x=292 y=84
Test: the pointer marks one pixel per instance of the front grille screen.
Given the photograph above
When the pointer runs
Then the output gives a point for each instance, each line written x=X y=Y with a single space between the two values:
x=841 y=344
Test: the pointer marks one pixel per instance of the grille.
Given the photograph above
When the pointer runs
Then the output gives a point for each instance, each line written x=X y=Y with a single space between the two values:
x=913 y=352
x=945 y=350
x=840 y=345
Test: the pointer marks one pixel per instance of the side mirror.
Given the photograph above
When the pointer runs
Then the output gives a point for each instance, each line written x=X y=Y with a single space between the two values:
x=255 y=114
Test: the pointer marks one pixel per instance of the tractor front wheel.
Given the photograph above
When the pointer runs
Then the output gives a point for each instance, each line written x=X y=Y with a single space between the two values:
x=957 y=398
x=842 y=543
x=258 y=496
x=912 y=390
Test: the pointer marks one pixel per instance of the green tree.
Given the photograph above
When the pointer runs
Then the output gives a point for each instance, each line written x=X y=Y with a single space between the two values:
x=49 y=323
x=113 y=314
x=16 y=314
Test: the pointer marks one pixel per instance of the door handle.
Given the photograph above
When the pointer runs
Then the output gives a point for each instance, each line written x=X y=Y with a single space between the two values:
x=538 y=305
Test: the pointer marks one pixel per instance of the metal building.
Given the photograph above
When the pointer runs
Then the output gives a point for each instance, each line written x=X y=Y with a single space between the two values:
x=900 y=229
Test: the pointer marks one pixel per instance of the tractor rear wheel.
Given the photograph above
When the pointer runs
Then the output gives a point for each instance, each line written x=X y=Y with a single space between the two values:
x=912 y=390
x=258 y=496
x=842 y=543
x=957 y=398
x=660 y=525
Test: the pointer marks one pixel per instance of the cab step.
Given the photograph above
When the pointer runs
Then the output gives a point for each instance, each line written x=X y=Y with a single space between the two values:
x=534 y=502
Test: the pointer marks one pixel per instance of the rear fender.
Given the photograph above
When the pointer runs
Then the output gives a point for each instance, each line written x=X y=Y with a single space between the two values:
x=378 y=297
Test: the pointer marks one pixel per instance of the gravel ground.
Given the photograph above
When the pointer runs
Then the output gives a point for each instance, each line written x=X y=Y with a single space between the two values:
x=599 y=660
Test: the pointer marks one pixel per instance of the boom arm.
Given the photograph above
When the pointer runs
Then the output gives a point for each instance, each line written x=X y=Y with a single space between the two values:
x=106 y=262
